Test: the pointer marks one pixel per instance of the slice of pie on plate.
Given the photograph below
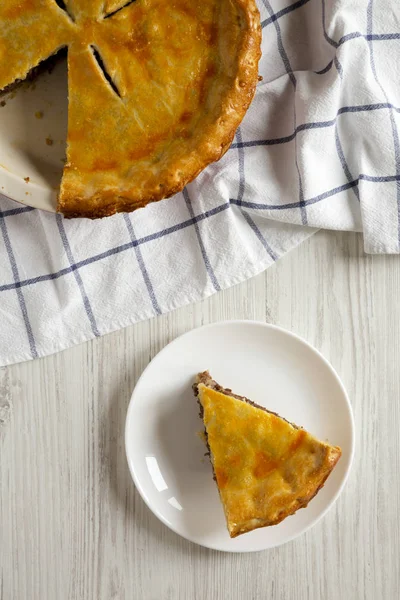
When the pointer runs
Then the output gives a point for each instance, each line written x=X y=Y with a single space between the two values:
x=265 y=467
x=157 y=89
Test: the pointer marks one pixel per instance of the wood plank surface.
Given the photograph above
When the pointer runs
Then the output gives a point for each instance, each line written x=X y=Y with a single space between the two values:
x=72 y=526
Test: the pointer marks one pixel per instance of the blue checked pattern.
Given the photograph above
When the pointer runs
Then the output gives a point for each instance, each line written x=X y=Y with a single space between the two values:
x=319 y=147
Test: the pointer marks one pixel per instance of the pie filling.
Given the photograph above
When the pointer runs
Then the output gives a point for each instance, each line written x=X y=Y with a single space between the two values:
x=156 y=89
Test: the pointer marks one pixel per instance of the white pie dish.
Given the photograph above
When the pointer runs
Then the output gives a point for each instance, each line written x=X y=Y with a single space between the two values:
x=33 y=131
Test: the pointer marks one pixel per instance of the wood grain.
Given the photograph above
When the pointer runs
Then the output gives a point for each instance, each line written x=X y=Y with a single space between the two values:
x=72 y=526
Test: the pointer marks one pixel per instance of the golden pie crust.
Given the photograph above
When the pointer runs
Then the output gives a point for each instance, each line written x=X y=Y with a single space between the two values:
x=157 y=89
x=265 y=467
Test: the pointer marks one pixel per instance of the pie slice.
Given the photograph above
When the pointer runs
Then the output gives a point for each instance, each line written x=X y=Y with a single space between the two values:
x=265 y=467
x=157 y=89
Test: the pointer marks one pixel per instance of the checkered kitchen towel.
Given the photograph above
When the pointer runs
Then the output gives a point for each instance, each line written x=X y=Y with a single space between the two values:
x=319 y=148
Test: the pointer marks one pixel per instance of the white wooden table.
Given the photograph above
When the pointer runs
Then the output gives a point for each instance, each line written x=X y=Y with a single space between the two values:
x=72 y=526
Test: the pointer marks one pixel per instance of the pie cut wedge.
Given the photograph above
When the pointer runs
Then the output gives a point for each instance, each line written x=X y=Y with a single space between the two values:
x=265 y=467
x=157 y=89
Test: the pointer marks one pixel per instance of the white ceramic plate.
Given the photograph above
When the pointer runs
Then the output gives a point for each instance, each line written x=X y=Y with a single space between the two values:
x=33 y=147
x=264 y=363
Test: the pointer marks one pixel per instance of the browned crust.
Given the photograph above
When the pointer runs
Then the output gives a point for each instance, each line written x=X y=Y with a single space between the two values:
x=301 y=503
x=219 y=137
x=45 y=66
x=206 y=379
